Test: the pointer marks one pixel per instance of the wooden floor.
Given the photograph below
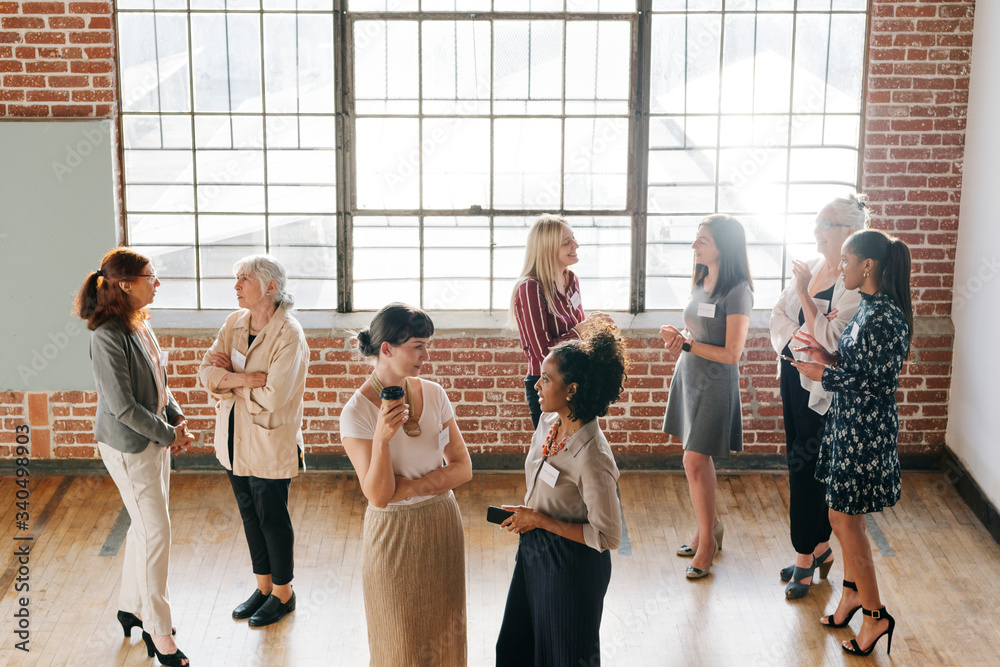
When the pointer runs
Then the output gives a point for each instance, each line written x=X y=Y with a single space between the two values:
x=938 y=568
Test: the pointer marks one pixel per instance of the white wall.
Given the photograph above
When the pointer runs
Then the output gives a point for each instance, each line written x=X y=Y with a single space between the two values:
x=974 y=408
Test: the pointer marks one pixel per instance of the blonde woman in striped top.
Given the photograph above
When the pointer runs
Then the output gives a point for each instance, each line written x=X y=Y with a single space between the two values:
x=546 y=304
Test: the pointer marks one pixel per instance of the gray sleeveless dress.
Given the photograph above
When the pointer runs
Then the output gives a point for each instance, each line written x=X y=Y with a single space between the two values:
x=703 y=403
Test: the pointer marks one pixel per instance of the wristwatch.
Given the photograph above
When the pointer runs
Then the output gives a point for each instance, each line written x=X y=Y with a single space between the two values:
x=686 y=346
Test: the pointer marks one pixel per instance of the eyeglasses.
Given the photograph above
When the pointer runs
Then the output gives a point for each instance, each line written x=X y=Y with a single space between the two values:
x=151 y=277
x=825 y=224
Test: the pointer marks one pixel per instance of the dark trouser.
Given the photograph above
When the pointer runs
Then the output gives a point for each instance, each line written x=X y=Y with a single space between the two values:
x=532 y=396
x=554 y=605
x=808 y=514
x=263 y=505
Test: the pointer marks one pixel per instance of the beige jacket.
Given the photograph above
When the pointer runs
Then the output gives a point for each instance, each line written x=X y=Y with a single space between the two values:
x=268 y=426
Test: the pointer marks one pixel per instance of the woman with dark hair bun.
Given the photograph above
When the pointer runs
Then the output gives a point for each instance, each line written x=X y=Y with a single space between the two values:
x=403 y=441
x=571 y=516
x=138 y=425
x=703 y=403
x=858 y=458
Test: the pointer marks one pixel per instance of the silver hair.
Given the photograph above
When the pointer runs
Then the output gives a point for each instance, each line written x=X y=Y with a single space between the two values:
x=266 y=268
x=851 y=210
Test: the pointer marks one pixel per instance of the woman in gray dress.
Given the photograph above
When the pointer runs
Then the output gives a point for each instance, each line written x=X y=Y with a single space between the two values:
x=703 y=403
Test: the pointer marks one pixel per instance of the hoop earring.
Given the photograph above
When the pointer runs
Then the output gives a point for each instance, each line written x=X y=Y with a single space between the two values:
x=867 y=275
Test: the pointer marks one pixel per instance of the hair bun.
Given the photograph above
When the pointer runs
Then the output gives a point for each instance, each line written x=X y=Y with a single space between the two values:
x=365 y=343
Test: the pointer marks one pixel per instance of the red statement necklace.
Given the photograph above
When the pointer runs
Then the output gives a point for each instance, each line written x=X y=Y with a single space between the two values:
x=550 y=447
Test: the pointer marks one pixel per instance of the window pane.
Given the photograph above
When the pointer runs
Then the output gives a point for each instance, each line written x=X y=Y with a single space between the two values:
x=528 y=67
x=386 y=261
x=160 y=229
x=456 y=67
x=597 y=57
x=386 y=74
x=596 y=162
x=456 y=163
x=388 y=163
x=526 y=163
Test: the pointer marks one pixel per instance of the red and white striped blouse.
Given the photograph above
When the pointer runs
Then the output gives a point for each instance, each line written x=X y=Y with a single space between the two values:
x=540 y=329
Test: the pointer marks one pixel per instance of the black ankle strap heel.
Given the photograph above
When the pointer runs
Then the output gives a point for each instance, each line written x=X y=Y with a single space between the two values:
x=878 y=615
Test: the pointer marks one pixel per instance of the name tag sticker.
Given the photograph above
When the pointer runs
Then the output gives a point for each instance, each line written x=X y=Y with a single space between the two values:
x=706 y=310
x=822 y=305
x=164 y=356
x=549 y=474
x=444 y=437
x=575 y=300
x=239 y=361
x=854 y=331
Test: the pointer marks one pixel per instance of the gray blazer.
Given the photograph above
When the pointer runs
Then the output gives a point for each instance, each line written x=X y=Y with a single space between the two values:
x=126 y=392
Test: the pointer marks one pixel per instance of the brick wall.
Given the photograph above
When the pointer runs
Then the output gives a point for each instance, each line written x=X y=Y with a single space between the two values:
x=483 y=377
x=911 y=169
x=918 y=91
x=56 y=59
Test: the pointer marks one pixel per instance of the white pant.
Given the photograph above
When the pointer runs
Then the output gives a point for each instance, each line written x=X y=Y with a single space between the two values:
x=143 y=480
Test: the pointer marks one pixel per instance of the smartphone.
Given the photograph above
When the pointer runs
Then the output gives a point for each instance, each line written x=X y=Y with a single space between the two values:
x=497 y=515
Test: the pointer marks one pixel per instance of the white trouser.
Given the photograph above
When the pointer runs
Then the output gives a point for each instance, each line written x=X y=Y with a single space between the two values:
x=143 y=480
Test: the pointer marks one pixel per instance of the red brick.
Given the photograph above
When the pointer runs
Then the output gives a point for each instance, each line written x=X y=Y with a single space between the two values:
x=99 y=23
x=90 y=37
x=10 y=37
x=22 y=22
x=48 y=96
x=40 y=443
x=90 y=8
x=45 y=37
x=9 y=7
x=11 y=95
x=67 y=22
x=73 y=82
x=24 y=81
x=47 y=66
x=43 y=8
x=99 y=96
x=96 y=52
x=915 y=11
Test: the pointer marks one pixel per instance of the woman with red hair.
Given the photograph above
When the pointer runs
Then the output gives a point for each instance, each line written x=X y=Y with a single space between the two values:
x=138 y=424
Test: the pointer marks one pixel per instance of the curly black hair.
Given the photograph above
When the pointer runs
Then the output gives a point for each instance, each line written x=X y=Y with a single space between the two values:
x=598 y=366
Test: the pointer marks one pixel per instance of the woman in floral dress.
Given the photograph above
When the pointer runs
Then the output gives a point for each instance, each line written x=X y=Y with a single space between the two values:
x=858 y=459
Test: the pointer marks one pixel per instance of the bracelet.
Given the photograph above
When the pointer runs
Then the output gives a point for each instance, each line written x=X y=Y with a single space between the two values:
x=836 y=362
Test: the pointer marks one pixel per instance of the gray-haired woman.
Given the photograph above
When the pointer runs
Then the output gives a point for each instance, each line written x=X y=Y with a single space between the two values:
x=257 y=370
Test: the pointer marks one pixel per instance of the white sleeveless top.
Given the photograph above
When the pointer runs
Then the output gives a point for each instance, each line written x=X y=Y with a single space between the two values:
x=411 y=457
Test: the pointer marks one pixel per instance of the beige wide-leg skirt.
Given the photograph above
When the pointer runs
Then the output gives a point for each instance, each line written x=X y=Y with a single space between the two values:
x=414 y=584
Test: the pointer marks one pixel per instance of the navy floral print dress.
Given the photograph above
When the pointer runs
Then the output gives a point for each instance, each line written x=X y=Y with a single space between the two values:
x=858 y=459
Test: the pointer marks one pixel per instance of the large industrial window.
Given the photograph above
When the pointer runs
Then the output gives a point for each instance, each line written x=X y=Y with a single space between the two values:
x=400 y=149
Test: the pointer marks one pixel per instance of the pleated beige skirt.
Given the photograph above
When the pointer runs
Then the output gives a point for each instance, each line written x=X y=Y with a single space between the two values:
x=414 y=584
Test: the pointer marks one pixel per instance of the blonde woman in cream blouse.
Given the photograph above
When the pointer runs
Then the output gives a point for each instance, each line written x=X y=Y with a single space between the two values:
x=817 y=303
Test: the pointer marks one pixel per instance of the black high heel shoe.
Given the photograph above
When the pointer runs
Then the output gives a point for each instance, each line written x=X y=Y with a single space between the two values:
x=130 y=620
x=877 y=614
x=843 y=624
x=166 y=659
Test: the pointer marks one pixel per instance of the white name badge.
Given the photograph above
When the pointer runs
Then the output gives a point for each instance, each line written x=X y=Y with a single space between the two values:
x=443 y=438
x=164 y=356
x=706 y=310
x=575 y=300
x=549 y=474
x=822 y=305
x=239 y=361
x=854 y=331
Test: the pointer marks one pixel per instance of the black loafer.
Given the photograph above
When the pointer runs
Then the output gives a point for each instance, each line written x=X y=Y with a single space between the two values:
x=272 y=611
x=250 y=606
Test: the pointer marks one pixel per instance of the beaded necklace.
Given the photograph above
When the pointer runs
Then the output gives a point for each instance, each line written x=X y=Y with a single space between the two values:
x=550 y=448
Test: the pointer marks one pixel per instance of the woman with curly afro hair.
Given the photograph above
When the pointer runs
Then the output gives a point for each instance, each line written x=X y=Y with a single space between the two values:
x=571 y=516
